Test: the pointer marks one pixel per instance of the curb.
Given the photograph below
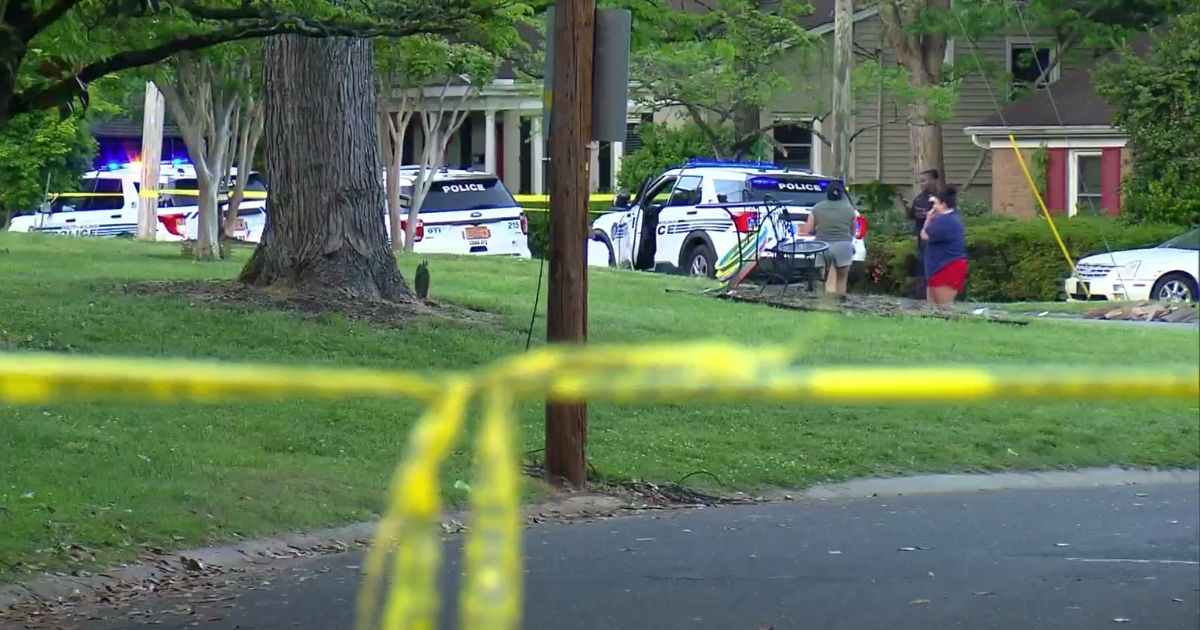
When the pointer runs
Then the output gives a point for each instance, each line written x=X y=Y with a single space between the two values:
x=1050 y=480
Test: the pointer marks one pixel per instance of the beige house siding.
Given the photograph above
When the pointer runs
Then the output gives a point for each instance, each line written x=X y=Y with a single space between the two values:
x=811 y=73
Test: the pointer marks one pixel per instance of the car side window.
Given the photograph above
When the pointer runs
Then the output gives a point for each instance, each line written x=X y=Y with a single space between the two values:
x=660 y=194
x=730 y=190
x=687 y=191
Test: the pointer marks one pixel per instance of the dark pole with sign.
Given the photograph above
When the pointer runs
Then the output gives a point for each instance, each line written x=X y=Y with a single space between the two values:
x=577 y=31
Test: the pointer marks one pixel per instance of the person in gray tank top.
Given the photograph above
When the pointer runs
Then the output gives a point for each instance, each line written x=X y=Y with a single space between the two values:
x=832 y=221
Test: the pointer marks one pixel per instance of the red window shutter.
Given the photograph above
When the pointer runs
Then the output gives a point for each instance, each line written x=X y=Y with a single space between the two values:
x=1056 y=180
x=1110 y=180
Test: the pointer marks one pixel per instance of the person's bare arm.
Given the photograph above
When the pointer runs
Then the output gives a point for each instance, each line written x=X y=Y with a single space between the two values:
x=908 y=209
x=929 y=218
x=810 y=226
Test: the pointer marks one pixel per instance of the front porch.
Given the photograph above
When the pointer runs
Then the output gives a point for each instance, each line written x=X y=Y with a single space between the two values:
x=503 y=135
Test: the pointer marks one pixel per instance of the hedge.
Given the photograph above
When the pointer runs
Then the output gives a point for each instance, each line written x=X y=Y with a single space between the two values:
x=539 y=223
x=1011 y=260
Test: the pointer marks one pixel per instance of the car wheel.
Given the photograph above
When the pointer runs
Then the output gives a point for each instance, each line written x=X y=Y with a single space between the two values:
x=700 y=261
x=599 y=235
x=1175 y=287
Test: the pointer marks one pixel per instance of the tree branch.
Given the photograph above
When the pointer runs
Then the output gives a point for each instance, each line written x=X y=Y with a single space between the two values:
x=893 y=28
x=52 y=93
x=44 y=19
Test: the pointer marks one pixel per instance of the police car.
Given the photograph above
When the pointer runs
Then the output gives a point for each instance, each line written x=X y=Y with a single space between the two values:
x=465 y=212
x=252 y=211
x=700 y=212
x=106 y=205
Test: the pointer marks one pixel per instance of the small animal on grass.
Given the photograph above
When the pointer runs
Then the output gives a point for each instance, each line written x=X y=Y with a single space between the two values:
x=421 y=280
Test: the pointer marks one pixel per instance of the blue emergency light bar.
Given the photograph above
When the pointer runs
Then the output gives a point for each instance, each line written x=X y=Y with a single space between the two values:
x=116 y=166
x=715 y=163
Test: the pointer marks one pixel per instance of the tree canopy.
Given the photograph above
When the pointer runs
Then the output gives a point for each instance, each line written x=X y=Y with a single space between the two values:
x=52 y=50
x=718 y=66
x=1157 y=102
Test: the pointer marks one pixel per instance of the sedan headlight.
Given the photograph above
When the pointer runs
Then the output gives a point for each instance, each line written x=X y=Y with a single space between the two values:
x=1129 y=269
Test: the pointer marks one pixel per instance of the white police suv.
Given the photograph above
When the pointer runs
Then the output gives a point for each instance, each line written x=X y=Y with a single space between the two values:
x=466 y=212
x=690 y=217
x=252 y=211
x=106 y=205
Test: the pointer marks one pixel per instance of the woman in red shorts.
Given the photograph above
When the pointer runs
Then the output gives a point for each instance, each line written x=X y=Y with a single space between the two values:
x=945 y=250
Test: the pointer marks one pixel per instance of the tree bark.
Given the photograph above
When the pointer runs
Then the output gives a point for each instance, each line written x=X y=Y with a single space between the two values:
x=747 y=123
x=397 y=129
x=924 y=137
x=208 y=242
x=325 y=223
x=923 y=55
x=247 y=146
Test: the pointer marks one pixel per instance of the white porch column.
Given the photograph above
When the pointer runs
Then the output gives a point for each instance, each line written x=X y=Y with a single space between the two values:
x=593 y=166
x=537 y=145
x=489 y=141
x=512 y=150
x=617 y=153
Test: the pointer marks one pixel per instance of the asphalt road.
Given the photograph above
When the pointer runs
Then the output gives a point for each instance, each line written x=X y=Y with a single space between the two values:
x=1122 y=557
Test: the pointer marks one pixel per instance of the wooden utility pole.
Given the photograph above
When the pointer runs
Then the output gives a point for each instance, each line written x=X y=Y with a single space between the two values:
x=566 y=303
x=152 y=137
x=843 y=93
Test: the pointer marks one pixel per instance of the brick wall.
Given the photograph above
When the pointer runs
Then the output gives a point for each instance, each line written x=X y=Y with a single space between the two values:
x=1011 y=193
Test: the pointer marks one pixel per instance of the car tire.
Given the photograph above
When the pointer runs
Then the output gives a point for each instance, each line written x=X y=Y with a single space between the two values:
x=699 y=259
x=1175 y=286
x=599 y=235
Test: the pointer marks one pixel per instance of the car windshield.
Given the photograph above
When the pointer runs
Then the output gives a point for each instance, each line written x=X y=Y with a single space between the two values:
x=467 y=194
x=797 y=191
x=95 y=193
x=1187 y=240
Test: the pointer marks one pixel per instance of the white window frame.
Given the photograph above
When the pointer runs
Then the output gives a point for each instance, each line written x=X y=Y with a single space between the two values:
x=815 y=146
x=1031 y=43
x=1073 y=178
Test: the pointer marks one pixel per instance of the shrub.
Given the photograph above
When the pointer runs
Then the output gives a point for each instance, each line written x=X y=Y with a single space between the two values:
x=539 y=224
x=663 y=147
x=1011 y=260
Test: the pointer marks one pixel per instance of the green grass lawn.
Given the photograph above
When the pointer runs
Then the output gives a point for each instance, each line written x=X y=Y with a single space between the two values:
x=113 y=477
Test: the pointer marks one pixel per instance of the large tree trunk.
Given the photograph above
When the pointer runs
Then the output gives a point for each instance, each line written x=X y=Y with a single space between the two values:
x=325 y=229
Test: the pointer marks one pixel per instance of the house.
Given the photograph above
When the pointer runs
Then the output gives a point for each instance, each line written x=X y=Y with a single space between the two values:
x=120 y=140
x=1085 y=161
x=880 y=151
x=1086 y=157
x=503 y=131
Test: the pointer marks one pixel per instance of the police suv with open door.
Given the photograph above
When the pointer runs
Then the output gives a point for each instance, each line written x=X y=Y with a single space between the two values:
x=466 y=212
x=688 y=218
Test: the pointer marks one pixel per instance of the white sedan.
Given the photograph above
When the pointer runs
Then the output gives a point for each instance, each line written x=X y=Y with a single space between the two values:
x=1167 y=273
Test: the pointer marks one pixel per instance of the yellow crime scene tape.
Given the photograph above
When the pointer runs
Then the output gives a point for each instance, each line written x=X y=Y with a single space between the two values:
x=1037 y=194
x=546 y=200
x=249 y=194
x=407 y=543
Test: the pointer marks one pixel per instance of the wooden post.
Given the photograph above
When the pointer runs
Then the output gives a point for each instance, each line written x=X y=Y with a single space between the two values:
x=566 y=303
x=843 y=95
x=152 y=137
